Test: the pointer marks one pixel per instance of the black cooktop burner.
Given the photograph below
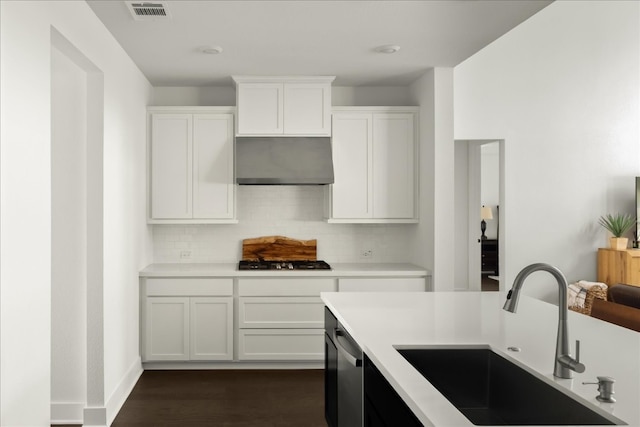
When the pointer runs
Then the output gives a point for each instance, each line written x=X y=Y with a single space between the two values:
x=283 y=265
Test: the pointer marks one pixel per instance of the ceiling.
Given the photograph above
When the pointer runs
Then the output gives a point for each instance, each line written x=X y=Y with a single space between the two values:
x=301 y=37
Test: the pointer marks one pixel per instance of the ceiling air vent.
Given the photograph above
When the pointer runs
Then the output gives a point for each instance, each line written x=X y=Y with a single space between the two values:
x=148 y=11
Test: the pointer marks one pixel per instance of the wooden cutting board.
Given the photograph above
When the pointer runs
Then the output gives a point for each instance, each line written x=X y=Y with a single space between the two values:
x=279 y=248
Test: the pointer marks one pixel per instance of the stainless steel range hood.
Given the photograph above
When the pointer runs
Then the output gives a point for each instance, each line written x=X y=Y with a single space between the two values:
x=284 y=160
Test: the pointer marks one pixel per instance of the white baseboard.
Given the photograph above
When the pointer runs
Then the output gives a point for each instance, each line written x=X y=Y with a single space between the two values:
x=122 y=391
x=95 y=417
x=66 y=412
x=233 y=365
x=101 y=416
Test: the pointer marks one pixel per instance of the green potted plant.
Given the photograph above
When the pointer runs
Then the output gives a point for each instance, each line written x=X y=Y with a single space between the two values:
x=617 y=224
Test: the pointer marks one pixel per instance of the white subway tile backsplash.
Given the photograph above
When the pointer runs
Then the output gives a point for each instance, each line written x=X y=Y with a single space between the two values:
x=292 y=211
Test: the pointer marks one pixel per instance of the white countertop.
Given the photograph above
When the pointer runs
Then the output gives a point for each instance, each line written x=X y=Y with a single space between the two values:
x=378 y=322
x=231 y=270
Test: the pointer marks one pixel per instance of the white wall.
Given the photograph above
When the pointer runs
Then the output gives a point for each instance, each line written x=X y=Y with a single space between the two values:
x=372 y=95
x=25 y=208
x=219 y=96
x=433 y=245
x=340 y=95
x=562 y=90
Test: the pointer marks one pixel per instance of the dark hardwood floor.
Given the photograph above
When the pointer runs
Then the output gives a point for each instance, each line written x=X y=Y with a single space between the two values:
x=226 y=398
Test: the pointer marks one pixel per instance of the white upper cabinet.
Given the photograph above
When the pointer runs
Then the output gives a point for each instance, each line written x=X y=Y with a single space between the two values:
x=284 y=106
x=191 y=165
x=374 y=155
x=260 y=108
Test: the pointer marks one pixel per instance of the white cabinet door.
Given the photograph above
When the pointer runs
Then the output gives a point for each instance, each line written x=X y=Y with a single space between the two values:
x=211 y=332
x=167 y=328
x=307 y=109
x=374 y=154
x=393 y=166
x=171 y=166
x=191 y=166
x=351 y=145
x=260 y=108
x=213 y=187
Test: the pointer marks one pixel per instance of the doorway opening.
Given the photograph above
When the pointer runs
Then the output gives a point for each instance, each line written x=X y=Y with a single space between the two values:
x=479 y=214
x=77 y=117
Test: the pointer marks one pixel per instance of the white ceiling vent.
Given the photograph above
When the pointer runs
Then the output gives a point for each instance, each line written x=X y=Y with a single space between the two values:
x=148 y=11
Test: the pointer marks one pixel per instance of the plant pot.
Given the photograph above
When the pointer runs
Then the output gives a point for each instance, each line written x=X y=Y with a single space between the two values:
x=618 y=243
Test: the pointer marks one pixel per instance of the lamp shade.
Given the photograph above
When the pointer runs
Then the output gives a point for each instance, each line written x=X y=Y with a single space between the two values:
x=486 y=213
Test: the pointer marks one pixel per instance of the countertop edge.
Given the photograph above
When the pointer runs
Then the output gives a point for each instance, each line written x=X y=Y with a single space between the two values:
x=231 y=270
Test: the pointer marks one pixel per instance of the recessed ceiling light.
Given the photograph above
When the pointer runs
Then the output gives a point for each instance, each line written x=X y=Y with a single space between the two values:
x=388 y=48
x=211 y=50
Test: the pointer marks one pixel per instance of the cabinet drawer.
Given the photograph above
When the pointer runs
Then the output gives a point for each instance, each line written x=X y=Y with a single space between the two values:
x=294 y=286
x=180 y=286
x=280 y=312
x=382 y=284
x=281 y=344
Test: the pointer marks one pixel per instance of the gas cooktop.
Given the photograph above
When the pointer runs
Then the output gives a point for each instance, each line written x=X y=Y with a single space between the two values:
x=283 y=265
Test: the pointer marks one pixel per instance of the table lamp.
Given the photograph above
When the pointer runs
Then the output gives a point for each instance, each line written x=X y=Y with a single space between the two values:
x=485 y=213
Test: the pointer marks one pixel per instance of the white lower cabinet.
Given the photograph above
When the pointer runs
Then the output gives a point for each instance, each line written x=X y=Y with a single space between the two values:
x=197 y=325
x=266 y=319
x=282 y=319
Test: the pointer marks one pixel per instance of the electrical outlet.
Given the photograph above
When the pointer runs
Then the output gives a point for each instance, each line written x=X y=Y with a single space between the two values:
x=367 y=253
x=185 y=254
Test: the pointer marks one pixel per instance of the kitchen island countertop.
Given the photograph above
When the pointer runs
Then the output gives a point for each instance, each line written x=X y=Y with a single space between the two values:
x=380 y=321
x=369 y=269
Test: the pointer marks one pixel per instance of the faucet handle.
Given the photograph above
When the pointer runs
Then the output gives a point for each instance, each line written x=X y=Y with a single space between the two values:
x=569 y=362
x=576 y=365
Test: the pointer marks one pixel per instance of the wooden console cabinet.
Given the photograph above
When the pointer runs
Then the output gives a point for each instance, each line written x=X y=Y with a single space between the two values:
x=616 y=267
x=490 y=257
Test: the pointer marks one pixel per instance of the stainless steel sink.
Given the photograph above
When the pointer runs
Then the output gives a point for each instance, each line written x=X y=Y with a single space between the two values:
x=490 y=390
